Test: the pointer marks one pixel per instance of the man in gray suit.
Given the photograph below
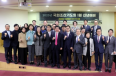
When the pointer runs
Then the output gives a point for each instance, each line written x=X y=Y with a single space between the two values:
x=110 y=49
x=79 y=41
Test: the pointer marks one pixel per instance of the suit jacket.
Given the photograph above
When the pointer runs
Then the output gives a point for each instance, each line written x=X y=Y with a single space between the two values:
x=92 y=31
x=15 y=38
x=91 y=47
x=35 y=28
x=7 y=40
x=111 y=46
x=59 y=40
x=99 y=47
x=68 y=42
x=87 y=28
x=23 y=43
x=47 y=40
x=78 y=46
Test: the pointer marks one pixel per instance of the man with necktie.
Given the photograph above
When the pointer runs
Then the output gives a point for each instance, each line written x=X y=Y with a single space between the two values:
x=110 y=49
x=85 y=26
x=47 y=46
x=6 y=36
x=94 y=28
x=99 y=41
x=83 y=32
x=57 y=45
x=34 y=25
x=79 y=41
x=68 y=46
x=15 y=43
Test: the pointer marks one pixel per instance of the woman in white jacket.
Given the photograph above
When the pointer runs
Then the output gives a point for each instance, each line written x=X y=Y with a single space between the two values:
x=88 y=50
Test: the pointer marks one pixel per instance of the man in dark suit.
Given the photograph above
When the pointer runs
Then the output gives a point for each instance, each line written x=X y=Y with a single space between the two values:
x=57 y=45
x=99 y=41
x=110 y=49
x=6 y=36
x=63 y=31
x=85 y=26
x=47 y=46
x=83 y=32
x=57 y=24
x=79 y=41
x=15 y=43
x=34 y=25
x=45 y=23
x=68 y=46
x=94 y=28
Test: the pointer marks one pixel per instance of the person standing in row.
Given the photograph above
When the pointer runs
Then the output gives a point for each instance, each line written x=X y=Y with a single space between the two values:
x=110 y=49
x=23 y=46
x=65 y=22
x=26 y=27
x=79 y=41
x=94 y=28
x=34 y=25
x=38 y=41
x=88 y=50
x=85 y=26
x=43 y=29
x=6 y=36
x=47 y=46
x=30 y=43
x=15 y=43
x=68 y=46
x=73 y=29
x=45 y=23
x=57 y=24
x=99 y=41
x=57 y=44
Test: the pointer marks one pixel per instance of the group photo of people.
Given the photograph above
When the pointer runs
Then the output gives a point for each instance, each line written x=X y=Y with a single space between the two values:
x=54 y=45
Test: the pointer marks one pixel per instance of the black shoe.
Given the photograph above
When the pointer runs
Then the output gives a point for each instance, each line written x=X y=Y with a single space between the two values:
x=32 y=63
x=19 y=61
x=96 y=69
x=38 y=64
x=100 y=70
x=45 y=65
x=85 y=68
x=106 y=70
x=53 y=65
x=80 y=69
x=75 y=68
x=69 y=67
x=15 y=62
x=7 y=61
x=109 y=71
x=58 y=66
x=89 y=69
x=64 y=66
x=11 y=60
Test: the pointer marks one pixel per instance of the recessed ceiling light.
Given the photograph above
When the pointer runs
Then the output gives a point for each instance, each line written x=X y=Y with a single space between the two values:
x=96 y=0
x=69 y=10
x=31 y=10
x=115 y=6
x=4 y=0
x=49 y=0
x=47 y=6
x=107 y=10
x=70 y=5
x=88 y=10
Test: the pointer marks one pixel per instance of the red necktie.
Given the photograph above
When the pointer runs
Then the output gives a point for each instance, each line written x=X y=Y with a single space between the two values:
x=56 y=38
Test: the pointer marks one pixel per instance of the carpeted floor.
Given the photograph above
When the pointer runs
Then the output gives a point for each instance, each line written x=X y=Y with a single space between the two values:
x=12 y=73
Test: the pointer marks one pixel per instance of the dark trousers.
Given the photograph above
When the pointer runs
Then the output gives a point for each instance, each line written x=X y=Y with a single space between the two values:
x=87 y=57
x=46 y=52
x=79 y=55
x=8 y=53
x=100 y=56
x=110 y=57
x=56 y=55
x=67 y=52
x=23 y=53
x=15 y=48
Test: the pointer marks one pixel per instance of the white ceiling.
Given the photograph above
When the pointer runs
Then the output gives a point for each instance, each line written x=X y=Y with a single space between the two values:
x=63 y=5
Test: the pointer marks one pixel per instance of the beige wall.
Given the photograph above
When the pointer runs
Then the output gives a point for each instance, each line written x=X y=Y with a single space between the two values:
x=11 y=17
